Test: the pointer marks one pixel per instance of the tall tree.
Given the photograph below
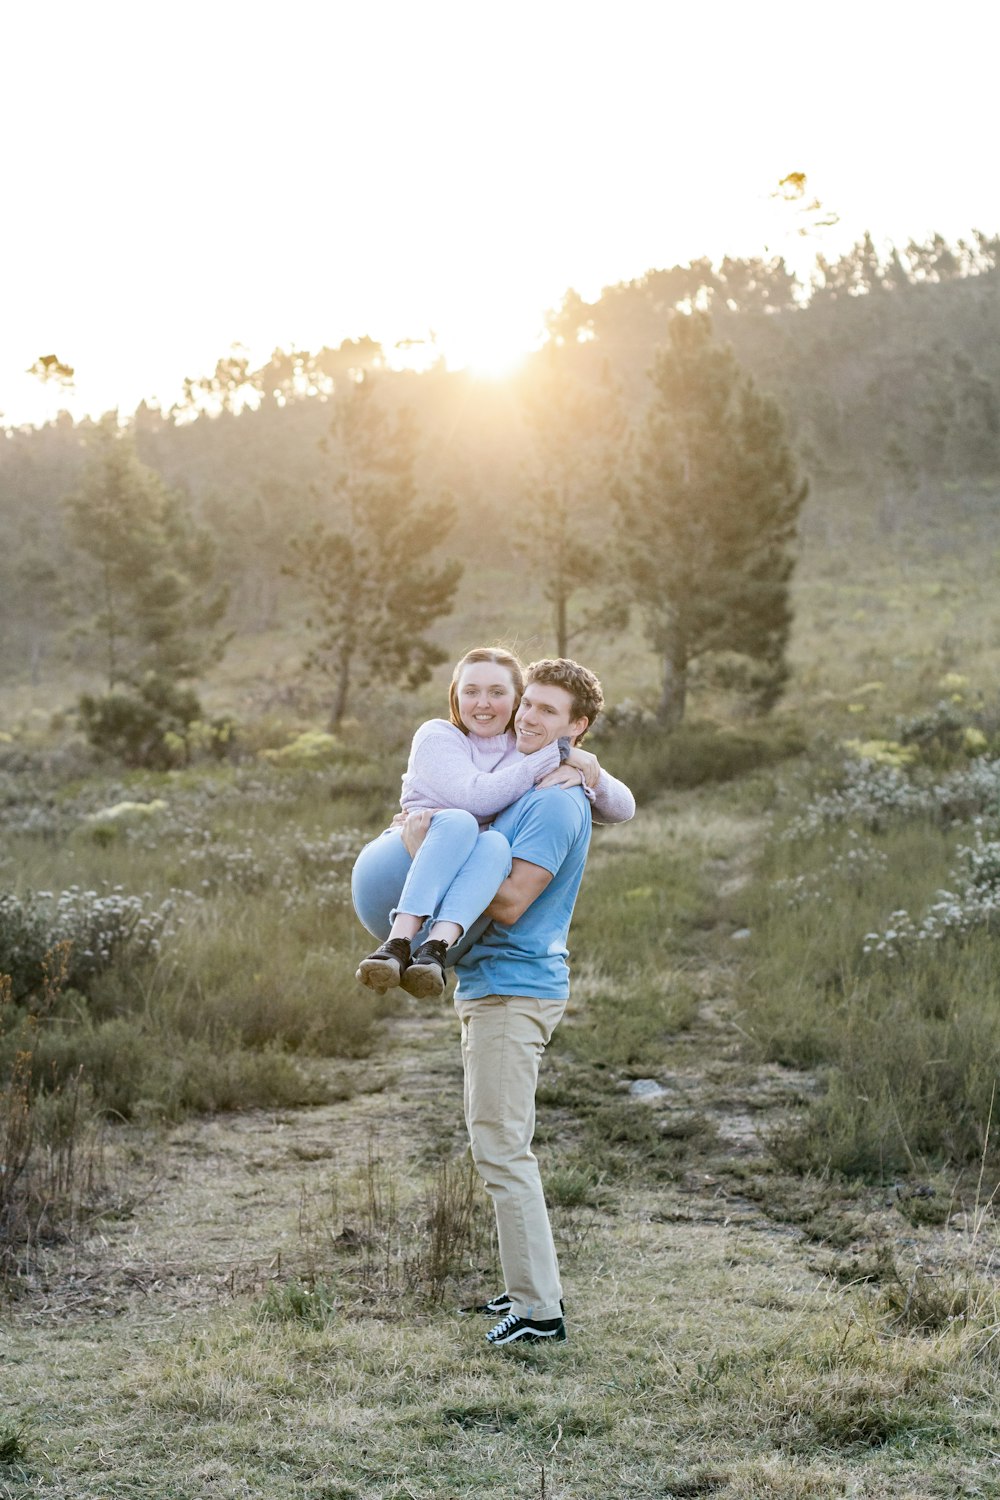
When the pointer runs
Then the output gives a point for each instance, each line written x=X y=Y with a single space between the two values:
x=709 y=519
x=368 y=575
x=576 y=425
x=150 y=581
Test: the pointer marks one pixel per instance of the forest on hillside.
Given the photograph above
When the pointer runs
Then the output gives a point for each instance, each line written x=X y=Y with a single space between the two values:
x=887 y=371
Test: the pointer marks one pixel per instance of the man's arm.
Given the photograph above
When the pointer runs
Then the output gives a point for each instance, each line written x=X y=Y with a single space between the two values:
x=523 y=884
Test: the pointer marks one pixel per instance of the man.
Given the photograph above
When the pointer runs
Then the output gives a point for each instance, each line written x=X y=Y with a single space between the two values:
x=513 y=985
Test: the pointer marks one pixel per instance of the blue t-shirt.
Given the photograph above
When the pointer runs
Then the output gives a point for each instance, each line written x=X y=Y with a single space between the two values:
x=550 y=827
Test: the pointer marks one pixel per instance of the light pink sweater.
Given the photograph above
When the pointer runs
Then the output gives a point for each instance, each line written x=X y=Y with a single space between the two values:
x=485 y=774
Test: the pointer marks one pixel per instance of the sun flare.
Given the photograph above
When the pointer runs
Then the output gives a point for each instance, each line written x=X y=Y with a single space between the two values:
x=490 y=351
x=487 y=347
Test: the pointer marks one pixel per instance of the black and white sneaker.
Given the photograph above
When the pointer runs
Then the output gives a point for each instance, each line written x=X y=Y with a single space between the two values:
x=498 y=1305
x=384 y=969
x=424 y=976
x=534 y=1330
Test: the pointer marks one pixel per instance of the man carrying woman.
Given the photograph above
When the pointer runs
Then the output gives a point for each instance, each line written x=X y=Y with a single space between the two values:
x=461 y=773
x=513 y=983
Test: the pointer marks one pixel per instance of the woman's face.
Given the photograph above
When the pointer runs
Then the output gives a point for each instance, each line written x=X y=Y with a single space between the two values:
x=486 y=698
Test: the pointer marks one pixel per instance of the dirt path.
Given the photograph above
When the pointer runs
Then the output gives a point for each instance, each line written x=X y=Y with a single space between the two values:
x=220 y=1208
x=230 y=1204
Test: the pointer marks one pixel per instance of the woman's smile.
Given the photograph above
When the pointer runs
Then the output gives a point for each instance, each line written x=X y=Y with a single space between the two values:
x=486 y=698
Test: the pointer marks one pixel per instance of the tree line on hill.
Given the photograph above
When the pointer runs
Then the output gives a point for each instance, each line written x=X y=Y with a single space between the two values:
x=647 y=446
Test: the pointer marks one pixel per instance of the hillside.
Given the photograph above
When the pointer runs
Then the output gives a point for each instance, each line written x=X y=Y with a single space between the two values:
x=889 y=377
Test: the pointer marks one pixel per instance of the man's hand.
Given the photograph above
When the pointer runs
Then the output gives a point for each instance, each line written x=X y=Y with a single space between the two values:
x=414 y=829
x=587 y=764
x=564 y=775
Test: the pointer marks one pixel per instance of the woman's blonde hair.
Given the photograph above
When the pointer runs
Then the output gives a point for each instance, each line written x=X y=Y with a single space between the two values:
x=495 y=654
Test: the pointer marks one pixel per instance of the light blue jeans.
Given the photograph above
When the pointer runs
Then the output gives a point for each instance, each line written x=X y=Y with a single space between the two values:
x=454 y=877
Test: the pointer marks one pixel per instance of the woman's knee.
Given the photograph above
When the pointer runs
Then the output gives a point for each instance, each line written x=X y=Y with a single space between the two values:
x=497 y=847
x=455 y=820
x=377 y=879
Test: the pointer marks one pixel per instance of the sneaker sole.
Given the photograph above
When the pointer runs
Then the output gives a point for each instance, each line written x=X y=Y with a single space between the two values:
x=534 y=1335
x=423 y=981
x=379 y=974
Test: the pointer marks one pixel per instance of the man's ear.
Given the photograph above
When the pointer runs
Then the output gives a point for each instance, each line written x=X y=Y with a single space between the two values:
x=578 y=727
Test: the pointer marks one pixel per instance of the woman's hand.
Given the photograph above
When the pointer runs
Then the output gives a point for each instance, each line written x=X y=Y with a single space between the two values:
x=414 y=829
x=588 y=765
x=564 y=775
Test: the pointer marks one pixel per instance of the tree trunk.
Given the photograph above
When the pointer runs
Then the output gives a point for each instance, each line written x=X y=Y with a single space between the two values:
x=342 y=687
x=673 y=693
x=562 y=628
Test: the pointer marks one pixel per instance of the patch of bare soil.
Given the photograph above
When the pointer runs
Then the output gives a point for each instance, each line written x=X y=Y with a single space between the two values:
x=222 y=1206
x=225 y=1206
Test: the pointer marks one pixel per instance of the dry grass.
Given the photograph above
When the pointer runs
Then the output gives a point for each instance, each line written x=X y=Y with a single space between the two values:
x=284 y=1301
x=274 y=1314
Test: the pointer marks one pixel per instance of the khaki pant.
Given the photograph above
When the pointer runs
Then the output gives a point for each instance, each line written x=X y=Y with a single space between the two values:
x=503 y=1038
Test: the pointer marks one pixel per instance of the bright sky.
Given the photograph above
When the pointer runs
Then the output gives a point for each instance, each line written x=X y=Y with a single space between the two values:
x=183 y=176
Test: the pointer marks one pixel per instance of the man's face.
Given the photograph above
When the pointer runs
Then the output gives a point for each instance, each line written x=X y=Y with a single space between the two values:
x=544 y=716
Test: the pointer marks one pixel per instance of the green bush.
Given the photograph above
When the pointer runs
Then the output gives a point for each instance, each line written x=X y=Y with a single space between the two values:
x=651 y=759
x=134 y=724
x=948 y=734
x=79 y=934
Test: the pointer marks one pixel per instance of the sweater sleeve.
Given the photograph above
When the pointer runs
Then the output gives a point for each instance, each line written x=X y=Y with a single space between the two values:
x=613 y=802
x=441 y=763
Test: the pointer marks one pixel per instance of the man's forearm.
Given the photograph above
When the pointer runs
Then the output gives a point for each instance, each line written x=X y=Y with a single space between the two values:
x=505 y=907
x=523 y=884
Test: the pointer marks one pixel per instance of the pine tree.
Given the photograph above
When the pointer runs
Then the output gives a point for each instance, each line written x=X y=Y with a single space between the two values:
x=150 y=581
x=151 y=598
x=709 y=520
x=369 y=577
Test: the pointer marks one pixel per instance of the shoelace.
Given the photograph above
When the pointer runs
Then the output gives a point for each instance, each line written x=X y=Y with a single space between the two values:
x=504 y=1326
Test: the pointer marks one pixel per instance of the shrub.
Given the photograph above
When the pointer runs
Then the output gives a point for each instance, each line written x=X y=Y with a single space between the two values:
x=945 y=735
x=874 y=795
x=310 y=748
x=975 y=902
x=133 y=725
x=651 y=759
x=92 y=932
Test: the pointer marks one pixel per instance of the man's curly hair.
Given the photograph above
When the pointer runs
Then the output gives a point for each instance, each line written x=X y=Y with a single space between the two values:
x=581 y=684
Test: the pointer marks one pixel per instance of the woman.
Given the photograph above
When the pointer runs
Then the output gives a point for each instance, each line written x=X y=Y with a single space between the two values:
x=461 y=773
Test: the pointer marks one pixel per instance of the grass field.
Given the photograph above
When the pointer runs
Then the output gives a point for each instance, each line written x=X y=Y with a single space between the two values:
x=241 y=1221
